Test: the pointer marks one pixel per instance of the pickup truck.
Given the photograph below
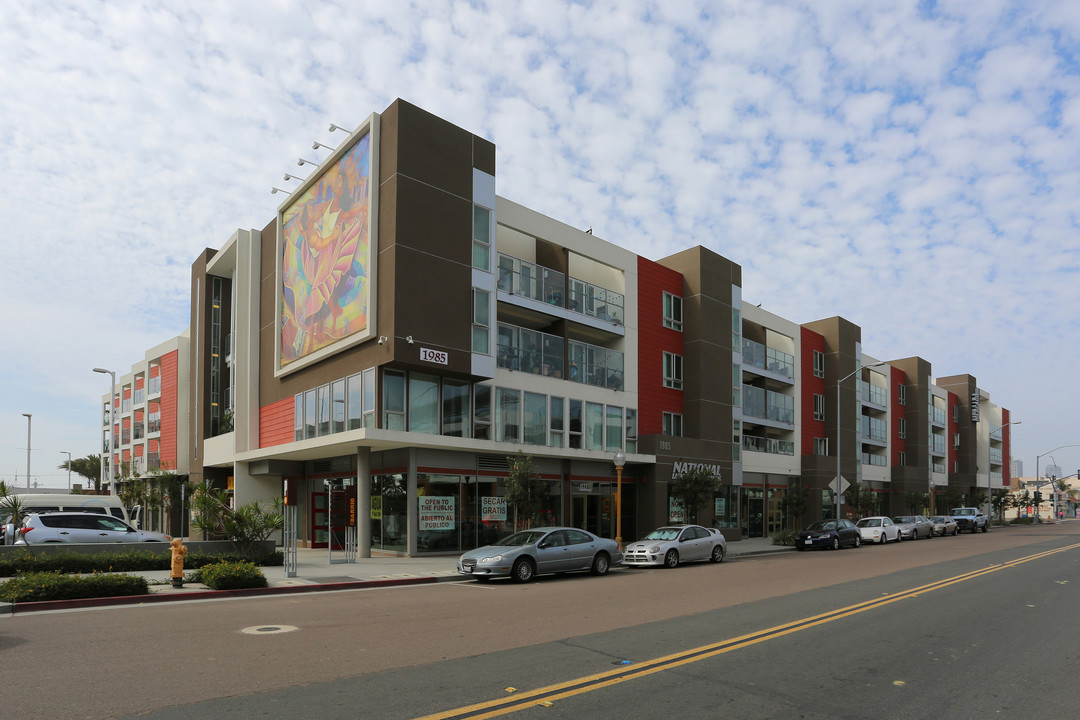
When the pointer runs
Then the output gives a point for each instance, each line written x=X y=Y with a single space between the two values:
x=970 y=519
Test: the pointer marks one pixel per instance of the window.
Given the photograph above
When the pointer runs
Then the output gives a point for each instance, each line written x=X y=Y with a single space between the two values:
x=337 y=406
x=393 y=400
x=901 y=394
x=673 y=371
x=309 y=414
x=613 y=434
x=631 y=430
x=507 y=415
x=575 y=423
x=736 y=329
x=555 y=436
x=481 y=254
x=455 y=408
x=672 y=425
x=819 y=407
x=369 y=398
x=298 y=416
x=821 y=446
x=423 y=404
x=536 y=425
x=819 y=364
x=901 y=459
x=901 y=428
x=956 y=441
x=594 y=426
x=736 y=385
x=354 y=402
x=481 y=328
x=672 y=311
x=482 y=413
x=736 y=440
x=324 y=410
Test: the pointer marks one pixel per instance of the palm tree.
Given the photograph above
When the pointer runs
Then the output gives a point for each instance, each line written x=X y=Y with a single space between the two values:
x=89 y=467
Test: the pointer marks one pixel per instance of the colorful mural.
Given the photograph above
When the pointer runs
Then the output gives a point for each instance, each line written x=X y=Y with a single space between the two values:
x=326 y=257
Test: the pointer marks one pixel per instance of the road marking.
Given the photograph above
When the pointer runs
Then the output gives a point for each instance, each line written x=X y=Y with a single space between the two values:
x=549 y=694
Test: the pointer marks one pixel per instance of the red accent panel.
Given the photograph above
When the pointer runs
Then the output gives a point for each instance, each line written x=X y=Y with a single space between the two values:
x=1006 y=449
x=896 y=379
x=170 y=402
x=276 y=423
x=811 y=386
x=653 y=341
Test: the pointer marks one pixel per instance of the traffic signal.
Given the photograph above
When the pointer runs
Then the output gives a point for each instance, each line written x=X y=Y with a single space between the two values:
x=1038 y=497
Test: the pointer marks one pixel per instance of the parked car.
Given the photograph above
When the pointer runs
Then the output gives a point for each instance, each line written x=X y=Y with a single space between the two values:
x=540 y=551
x=674 y=544
x=78 y=527
x=830 y=534
x=944 y=525
x=914 y=527
x=878 y=529
x=970 y=519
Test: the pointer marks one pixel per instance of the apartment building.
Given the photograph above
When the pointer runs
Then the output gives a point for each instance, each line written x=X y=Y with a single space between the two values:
x=398 y=330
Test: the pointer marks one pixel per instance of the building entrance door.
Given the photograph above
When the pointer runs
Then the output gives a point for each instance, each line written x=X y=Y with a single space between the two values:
x=755 y=516
x=591 y=513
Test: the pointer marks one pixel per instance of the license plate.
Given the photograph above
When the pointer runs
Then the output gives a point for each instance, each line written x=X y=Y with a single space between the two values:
x=809 y=542
x=467 y=569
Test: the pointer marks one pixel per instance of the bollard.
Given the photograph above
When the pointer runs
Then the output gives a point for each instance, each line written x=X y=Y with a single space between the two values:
x=178 y=551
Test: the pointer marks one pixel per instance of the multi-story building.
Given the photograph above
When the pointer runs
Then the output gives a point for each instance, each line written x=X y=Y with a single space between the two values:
x=398 y=331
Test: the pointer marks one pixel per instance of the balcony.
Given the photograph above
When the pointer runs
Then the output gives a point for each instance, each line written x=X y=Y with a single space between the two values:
x=596 y=302
x=595 y=365
x=938 y=416
x=526 y=279
x=874 y=459
x=524 y=350
x=766 y=358
x=874 y=394
x=875 y=429
x=768 y=405
x=768 y=445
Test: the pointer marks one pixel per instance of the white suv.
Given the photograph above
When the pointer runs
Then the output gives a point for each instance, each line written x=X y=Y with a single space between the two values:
x=61 y=527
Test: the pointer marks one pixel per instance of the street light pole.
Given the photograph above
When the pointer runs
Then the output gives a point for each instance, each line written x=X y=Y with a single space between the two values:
x=620 y=460
x=112 y=429
x=65 y=452
x=989 y=462
x=27 y=416
x=839 y=384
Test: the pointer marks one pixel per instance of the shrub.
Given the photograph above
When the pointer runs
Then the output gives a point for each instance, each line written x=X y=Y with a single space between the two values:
x=1022 y=521
x=38 y=586
x=784 y=537
x=231 y=576
x=25 y=560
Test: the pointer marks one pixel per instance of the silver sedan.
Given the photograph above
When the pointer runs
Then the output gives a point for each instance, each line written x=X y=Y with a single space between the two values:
x=674 y=544
x=529 y=553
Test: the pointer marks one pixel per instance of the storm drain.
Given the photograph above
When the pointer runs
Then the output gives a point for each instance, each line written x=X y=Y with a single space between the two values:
x=268 y=629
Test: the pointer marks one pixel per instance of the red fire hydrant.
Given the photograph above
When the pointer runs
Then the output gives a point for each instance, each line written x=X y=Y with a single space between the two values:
x=178 y=551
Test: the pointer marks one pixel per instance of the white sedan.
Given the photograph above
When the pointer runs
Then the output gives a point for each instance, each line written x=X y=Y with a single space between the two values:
x=672 y=545
x=878 y=530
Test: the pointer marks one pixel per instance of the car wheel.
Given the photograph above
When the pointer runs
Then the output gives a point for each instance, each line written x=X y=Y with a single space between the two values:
x=836 y=543
x=523 y=570
x=884 y=539
x=899 y=537
x=717 y=554
x=858 y=541
x=600 y=564
x=986 y=528
x=671 y=559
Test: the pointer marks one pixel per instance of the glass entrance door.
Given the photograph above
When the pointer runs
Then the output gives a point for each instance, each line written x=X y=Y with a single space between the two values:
x=592 y=513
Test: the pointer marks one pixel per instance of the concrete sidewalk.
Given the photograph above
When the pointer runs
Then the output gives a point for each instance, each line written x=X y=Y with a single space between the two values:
x=316 y=573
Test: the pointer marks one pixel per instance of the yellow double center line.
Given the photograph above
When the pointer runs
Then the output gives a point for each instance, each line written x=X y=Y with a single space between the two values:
x=551 y=693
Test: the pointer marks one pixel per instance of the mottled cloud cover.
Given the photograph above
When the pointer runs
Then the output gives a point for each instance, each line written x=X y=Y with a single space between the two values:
x=911 y=166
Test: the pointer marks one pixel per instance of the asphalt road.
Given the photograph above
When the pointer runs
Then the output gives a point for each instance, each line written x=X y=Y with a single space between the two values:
x=969 y=627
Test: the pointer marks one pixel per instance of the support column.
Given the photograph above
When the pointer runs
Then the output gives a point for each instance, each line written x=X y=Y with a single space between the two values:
x=363 y=502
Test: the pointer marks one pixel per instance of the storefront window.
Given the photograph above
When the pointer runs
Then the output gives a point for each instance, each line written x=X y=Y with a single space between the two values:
x=726 y=507
x=389 y=513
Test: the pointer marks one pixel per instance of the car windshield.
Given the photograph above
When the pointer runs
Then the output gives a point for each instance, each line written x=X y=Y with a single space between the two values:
x=904 y=518
x=823 y=525
x=526 y=537
x=937 y=519
x=664 y=533
x=964 y=511
x=869 y=522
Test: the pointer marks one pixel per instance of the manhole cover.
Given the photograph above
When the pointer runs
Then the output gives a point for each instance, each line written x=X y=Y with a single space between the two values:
x=268 y=629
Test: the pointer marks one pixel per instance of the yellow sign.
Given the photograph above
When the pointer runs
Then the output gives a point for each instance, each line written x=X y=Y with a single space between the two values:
x=376 y=507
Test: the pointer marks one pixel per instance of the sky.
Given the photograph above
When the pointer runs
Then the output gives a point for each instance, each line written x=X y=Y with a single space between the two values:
x=911 y=166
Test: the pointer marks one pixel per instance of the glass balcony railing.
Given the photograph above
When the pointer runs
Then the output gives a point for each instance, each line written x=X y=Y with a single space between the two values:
x=874 y=429
x=873 y=459
x=938 y=416
x=938 y=447
x=595 y=365
x=767 y=358
x=597 y=302
x=874 y=394
x=995 y=456
x=520 y=277
x=768 y=445
x=154 y=385
x=530 y=351
x=768 y=405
